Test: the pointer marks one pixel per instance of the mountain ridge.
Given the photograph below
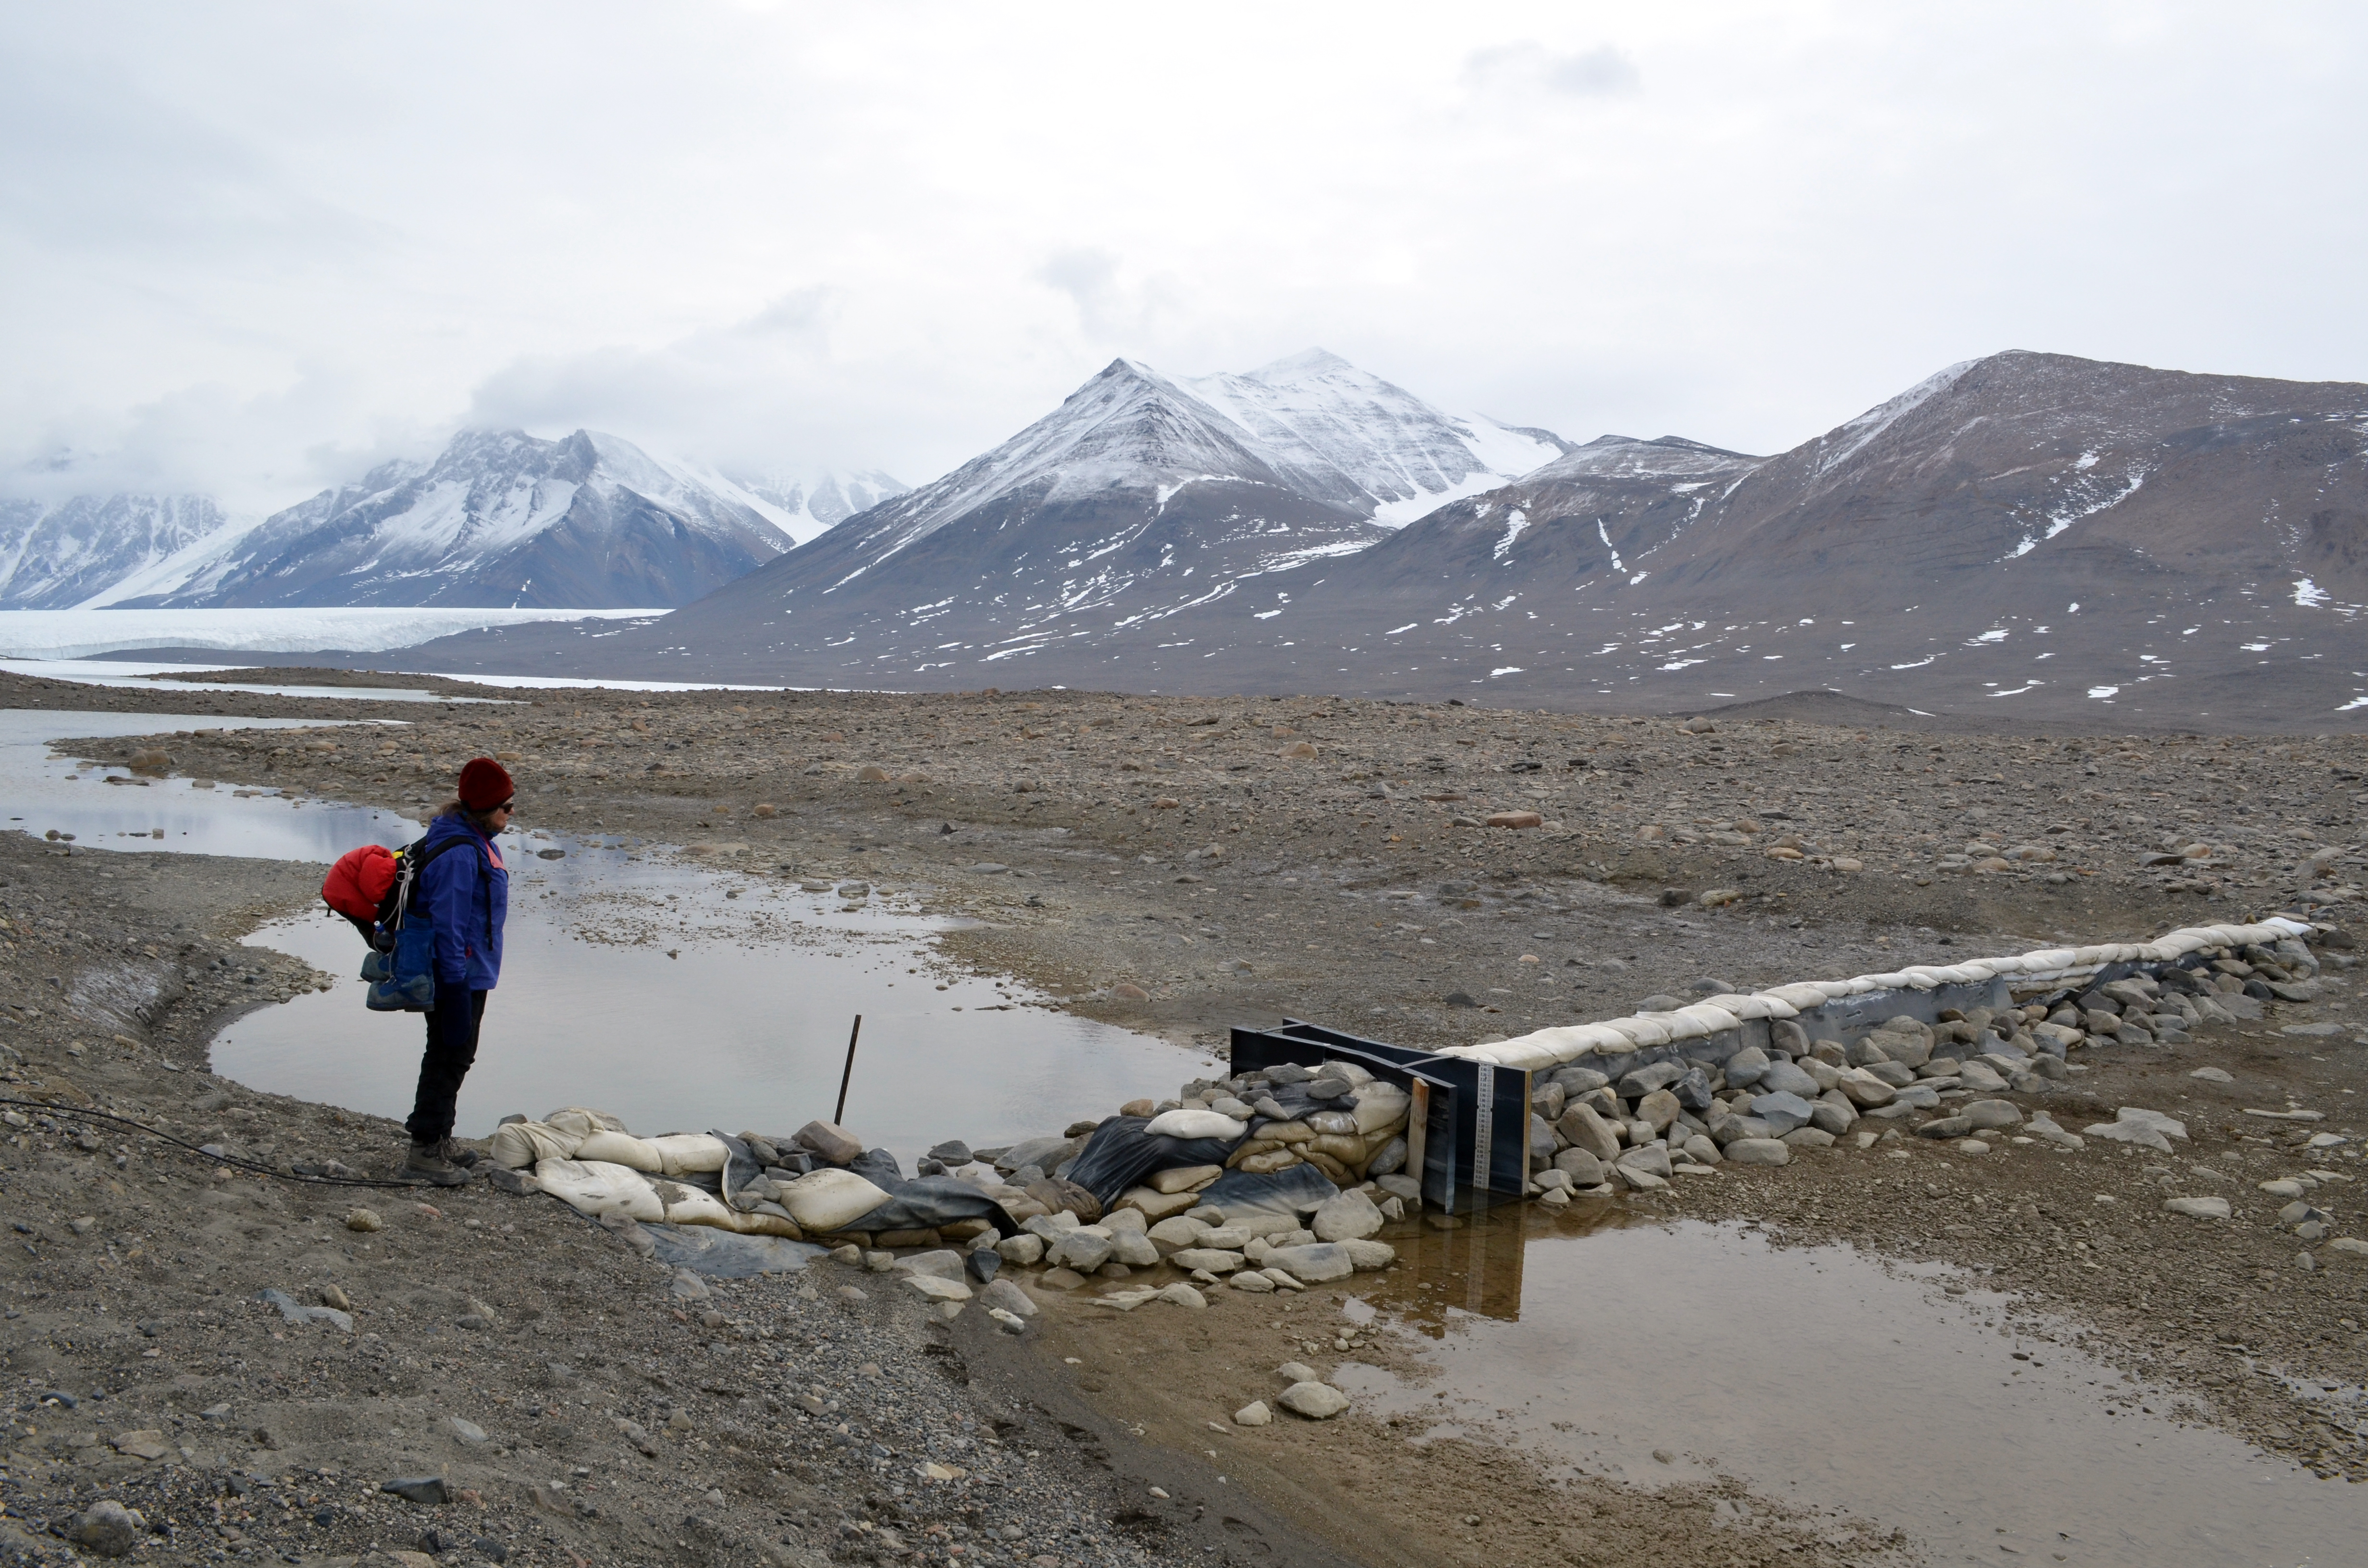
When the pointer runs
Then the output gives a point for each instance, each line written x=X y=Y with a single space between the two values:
x=2071 y=537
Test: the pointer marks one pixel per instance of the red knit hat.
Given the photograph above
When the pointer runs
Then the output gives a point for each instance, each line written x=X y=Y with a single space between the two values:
x=484 y=784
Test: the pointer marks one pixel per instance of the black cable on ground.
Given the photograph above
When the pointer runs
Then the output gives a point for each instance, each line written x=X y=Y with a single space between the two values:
x=250 y=1166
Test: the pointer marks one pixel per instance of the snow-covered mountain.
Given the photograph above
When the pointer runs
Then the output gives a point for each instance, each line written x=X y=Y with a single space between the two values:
x=1141 y=496
x=1339 y=434
x=498 y=518
x=805 y=506
x=57 y=555
x=2025 y=537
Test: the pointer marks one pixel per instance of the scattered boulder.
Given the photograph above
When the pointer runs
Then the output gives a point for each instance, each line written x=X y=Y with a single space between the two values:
x=1317 y=1402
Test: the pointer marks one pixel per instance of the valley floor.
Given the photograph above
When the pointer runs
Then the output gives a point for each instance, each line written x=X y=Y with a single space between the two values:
x=1177 y=866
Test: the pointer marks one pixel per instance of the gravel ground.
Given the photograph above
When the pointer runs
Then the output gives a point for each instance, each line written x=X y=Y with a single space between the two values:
x=1169 y=865
x=612 y=1414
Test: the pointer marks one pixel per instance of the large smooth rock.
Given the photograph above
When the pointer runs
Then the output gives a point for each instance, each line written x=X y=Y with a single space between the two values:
x=1991 y=1115
x=1002 y=1294
x=1781 y=1109
x=1367 y=1255
x=1023 y=1249
x=1657 y=1110
x=110 y=1529
x=1254 y=1414
x=945 y=1263
x=1783 y=1077
x=1651 y=1077
x=1756 y=1151
x=929 y=1288
x=1582 y=1129
x=1175 y=1233
x=1651 y=1157
x=1316 y=1264
x=1317 y=1402
x=1083 y=1249
x=828 y=1141
x=1728 y=1128
x=2199 y=1208
x=1946 y=1127
x=1584 y=1168
x=1214 y=1259
x=1743 y=1069
x=1864 y=1089
x=1348 y=1217
x=1831 y=1116
x=1693 y=1090
x=1133 y=1248
x=1044 y=1153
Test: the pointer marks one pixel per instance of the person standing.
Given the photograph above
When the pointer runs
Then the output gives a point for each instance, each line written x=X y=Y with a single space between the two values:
x=464 y=892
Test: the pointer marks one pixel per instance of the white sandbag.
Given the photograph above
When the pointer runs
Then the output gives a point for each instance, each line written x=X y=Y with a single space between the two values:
x=1682 y=1026
x=1379 y=1106
x=596 y=1187
x=583 y=1121
x=829 y=1201
x=684 y=1153
x=1712 y=1016
x=1196 y=1124
x=622 y=1149
x=1521 y=1055
x=518 y=1144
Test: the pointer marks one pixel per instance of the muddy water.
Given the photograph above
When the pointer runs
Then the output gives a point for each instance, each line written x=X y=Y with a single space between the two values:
x=1648 y=1352
x=642 y=988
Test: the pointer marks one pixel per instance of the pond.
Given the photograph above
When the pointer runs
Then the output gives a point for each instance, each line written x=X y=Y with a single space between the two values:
x=1651 y=1352
x=688 y=1000
x=679 y=997
x=40 y=794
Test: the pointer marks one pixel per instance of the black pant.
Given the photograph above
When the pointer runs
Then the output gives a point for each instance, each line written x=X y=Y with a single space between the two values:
x=451 y=1051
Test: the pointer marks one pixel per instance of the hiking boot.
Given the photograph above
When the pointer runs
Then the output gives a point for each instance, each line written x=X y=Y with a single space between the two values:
x=426 y=1163
x=459 y=1153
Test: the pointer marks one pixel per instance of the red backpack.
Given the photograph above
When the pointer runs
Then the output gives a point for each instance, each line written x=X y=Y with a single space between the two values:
x=368 y=885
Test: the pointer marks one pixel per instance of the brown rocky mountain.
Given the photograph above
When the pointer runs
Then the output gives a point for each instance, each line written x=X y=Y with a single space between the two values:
x=2027 y=538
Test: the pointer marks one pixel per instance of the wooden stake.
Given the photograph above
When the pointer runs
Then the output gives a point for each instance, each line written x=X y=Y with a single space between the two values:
x=839 y=1115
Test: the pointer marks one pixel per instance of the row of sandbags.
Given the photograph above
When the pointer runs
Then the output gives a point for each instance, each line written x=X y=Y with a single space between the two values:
x=591 y=1161
x=1616 y=1037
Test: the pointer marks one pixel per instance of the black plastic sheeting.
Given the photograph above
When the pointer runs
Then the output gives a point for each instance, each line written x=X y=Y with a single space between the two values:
x=1301 y=1189
x=922 y=1203
x=1121 y=1154
x=726 y=1255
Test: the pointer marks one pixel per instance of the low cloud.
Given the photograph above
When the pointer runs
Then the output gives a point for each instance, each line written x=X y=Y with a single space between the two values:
x=1532 y=68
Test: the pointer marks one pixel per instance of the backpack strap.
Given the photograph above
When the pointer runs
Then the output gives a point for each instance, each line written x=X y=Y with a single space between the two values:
x=414 y=861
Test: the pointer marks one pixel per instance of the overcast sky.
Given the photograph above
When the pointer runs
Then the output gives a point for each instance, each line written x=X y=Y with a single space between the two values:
x=251 y=248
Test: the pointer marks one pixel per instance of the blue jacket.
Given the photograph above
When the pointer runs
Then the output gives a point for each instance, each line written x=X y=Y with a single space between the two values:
x=466 y=893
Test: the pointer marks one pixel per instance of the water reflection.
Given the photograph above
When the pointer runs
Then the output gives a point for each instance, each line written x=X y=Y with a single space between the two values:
x=1835 y=1378
x=42 y=793
x=644 y=989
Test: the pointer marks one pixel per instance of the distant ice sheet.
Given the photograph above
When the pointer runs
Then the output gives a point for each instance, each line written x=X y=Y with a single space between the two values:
x=82 y=633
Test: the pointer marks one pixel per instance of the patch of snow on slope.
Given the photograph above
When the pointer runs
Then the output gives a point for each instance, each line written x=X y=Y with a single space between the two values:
x=1852 y=437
